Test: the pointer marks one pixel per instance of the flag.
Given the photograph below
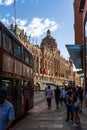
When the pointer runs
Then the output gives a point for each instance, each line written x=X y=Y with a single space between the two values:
x=40 y=70
x=43 y=71
x=48 y=72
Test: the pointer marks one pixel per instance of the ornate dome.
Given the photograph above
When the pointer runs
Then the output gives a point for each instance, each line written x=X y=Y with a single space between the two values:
x=49 y=42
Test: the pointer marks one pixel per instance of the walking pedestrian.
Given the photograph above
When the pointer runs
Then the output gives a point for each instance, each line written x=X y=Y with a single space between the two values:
x=86 y=98
x=6 y=110
x=68 y=105
x=80 y=91
x=49 y=95
x=57 y=96
x=64 y=93
x=76 y=118
x=61 y=96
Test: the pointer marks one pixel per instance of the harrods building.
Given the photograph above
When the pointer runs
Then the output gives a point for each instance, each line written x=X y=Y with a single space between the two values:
x=49 y=65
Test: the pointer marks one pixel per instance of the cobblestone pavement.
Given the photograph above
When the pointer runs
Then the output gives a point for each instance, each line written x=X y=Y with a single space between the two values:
x=53 y=119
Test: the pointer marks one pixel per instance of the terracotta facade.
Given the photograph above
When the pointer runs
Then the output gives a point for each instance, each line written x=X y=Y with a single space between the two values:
x=49 y=65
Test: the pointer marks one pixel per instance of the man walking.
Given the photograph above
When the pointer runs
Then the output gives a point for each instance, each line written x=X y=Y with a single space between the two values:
x=49 y=95
x=57 y=96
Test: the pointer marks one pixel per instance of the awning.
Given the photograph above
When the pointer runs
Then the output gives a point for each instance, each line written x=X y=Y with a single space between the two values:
x=80 y=72
x=76 y=54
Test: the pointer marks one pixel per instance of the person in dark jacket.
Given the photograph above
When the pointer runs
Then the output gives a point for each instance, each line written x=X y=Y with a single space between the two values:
x=57 y=96
x=68 y=105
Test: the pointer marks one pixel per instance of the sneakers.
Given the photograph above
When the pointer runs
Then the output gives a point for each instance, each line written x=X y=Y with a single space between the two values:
x=75 y=125
x=79 y=124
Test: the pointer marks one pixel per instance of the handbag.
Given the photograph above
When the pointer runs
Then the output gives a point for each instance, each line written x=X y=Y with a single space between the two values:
x=77 y=103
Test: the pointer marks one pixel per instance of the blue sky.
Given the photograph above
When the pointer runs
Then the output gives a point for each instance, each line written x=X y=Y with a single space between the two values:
x=36 y=16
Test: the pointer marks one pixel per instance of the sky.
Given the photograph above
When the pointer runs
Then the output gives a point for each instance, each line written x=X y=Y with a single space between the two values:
x=37 y=16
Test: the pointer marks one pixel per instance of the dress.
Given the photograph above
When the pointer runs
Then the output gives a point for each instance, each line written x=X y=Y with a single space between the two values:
x=6 y=114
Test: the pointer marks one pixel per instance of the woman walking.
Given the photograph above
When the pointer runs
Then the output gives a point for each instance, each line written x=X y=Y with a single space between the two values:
x=76 y=118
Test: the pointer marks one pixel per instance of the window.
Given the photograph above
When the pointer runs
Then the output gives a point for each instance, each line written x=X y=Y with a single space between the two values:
x=17 y=50
x=31 y=61
x=26 y=86
x=7 y=42
x=7 y=83
x=10 y=44
x=26 y=56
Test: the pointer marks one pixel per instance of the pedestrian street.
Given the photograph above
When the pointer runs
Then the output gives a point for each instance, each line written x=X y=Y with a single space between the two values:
x=52 y=119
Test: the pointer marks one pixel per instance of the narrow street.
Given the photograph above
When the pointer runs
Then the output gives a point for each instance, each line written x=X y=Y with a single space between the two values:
x=43 y=47
x=41 y=118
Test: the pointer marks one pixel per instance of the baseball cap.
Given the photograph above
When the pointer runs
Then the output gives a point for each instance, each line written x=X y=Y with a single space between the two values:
x=3 y=91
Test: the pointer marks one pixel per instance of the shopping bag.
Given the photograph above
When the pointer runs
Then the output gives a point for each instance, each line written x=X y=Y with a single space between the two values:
x=77 y=103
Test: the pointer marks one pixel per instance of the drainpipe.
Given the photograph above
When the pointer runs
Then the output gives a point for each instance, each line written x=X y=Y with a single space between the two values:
x=84 y=57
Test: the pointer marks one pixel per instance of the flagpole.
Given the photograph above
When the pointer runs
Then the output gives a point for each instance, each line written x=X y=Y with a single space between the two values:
x=15 y=12
x=15 y=16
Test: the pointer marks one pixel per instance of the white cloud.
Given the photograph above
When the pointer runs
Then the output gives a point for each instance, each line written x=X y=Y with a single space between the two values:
x=35 y=1
x=36 y=28
x=5 y=21
x=6 y=2
x=7 y=15
x=21 y=22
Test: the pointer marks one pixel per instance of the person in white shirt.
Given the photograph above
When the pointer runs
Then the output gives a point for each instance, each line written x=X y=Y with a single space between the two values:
x=49 y=95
